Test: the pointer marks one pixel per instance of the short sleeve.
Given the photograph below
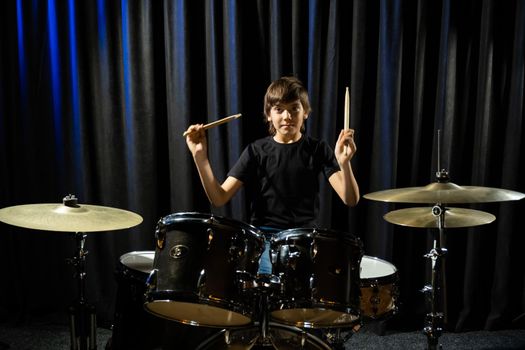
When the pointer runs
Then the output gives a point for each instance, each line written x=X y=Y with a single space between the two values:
x=244 y=167
x=330 y=165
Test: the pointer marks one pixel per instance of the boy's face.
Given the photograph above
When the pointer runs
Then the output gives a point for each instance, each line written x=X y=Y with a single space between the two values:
x=287 y=119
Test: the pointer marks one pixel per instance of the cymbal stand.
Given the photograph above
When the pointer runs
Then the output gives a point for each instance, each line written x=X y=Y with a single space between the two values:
x=82 y=316
x=435 y=291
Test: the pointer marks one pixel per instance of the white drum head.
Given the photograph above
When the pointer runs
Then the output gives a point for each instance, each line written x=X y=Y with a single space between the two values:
x=140 y=261
x=372 y=267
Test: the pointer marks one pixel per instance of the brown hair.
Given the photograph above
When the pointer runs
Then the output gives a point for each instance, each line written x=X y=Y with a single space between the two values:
x=285 y=90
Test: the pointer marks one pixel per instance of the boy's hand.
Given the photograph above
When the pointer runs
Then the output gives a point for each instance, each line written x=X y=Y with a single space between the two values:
x=345 y=147
x=196 y=140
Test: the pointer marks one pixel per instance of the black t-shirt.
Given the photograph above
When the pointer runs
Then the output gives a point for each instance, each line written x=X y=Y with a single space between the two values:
x=282 y=180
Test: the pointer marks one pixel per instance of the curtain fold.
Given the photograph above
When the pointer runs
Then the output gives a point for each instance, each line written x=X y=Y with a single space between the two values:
x=94 y=99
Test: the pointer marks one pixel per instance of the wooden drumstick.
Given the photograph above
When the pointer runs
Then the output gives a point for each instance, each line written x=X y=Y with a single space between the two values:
x=346 y=124
x=216 y=123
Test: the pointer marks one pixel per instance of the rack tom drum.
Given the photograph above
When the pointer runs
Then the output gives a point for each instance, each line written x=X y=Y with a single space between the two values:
x=319 y=272
x=201 y=264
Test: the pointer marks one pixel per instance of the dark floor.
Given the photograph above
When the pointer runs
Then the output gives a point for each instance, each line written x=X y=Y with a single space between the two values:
x=49 y=336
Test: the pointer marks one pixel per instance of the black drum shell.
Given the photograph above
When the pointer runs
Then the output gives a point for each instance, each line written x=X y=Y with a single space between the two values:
x=203 y=259
x=319 y=269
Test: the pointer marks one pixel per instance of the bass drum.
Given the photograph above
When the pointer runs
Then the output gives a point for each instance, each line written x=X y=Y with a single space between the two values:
x=379 y=288
x=202 y=263
x=319 y=272
x=133 y=327
x=279 y=337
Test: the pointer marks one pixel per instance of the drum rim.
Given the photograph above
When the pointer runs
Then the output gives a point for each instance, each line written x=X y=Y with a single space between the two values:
x=223 y=305
x=200 y=216
x=323 y=232
x=354 y=313
x=280 y=304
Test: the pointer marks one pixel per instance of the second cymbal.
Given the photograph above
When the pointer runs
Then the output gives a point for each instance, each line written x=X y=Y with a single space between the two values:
x=424 y=218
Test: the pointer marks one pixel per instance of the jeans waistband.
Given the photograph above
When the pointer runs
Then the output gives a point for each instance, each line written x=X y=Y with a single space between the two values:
x=269 y=232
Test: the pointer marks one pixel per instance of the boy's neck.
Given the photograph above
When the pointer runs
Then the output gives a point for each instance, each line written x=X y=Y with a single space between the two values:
x=283 y=139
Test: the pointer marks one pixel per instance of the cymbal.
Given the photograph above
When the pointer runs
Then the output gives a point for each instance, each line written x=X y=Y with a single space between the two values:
x=454 y=217
x=445 y=192
x=62 y=218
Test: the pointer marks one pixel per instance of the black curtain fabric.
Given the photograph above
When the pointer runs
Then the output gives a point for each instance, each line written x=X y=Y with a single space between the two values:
x=95 y=96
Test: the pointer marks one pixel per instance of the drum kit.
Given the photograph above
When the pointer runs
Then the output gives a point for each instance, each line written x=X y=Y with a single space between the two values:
x=204 y=271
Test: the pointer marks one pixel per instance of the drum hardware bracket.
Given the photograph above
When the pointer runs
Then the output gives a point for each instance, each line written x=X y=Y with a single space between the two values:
x=227 y=339
x=313 y=289
x=151 y=280
x=210 y=237
x=313 y=249
x=160 y=234
x=427 y=289
x=201 y=282
x=303 y=339
x=234 y=251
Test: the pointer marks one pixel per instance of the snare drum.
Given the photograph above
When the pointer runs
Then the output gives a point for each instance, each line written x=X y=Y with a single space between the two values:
x=133 y=327
x=201 y=264
x=379 y=288
x=319 y=272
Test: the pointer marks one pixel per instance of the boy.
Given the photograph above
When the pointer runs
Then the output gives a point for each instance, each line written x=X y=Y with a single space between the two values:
x=281 y=171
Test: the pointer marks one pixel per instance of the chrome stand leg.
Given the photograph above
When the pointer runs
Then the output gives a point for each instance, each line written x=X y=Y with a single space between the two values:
x=82 y=316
